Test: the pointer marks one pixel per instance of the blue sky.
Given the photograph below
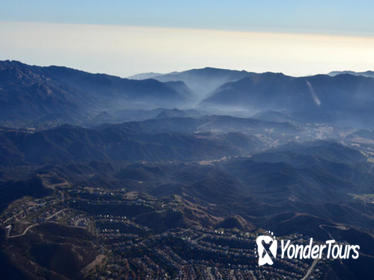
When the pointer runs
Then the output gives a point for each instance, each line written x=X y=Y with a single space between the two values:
x=317 y=16
x=129 y=37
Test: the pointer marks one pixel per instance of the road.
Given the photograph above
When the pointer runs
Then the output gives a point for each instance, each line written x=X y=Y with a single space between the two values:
x=310 y=270
x=34 y=225
x=24 y=232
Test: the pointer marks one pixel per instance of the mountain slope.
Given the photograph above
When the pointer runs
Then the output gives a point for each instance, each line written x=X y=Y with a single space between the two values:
x=32 y=94
x=203 y=81
x=320 y=97
x=154 y=140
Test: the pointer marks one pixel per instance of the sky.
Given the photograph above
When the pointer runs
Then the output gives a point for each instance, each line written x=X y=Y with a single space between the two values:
x=128 y=37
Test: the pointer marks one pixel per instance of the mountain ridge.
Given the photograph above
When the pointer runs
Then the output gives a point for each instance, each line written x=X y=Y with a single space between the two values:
x=34 y=93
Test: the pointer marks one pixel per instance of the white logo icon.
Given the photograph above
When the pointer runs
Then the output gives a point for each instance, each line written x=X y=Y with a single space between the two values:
x=266 y=249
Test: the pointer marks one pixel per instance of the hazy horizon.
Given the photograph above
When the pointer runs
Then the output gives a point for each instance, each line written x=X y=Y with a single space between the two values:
x=129 y=50
x=124 y=38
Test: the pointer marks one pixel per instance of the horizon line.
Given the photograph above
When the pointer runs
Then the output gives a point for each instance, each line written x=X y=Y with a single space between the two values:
x=186 y=70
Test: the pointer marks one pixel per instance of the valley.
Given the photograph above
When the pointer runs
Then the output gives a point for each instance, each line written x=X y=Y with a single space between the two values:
x=96 y=185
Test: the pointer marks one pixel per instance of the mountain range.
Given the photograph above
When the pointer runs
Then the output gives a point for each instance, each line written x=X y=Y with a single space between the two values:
x=203 y=81
x=174 y=175
x=33 y=96
x=369 y=74
x=317 y=98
